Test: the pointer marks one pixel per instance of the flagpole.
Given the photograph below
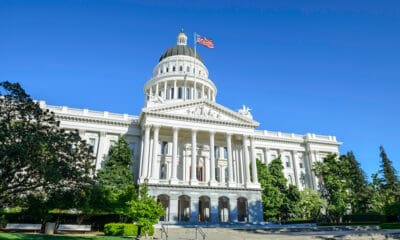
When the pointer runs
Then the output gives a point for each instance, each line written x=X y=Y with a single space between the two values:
x=194 y=67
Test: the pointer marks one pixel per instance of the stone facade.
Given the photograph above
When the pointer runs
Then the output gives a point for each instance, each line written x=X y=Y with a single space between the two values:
x=197 y=157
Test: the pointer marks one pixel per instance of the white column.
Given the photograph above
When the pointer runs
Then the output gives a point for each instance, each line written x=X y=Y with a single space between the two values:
x=175 y=132
x=246 y=161
x=154 y=172
x=212 y=159
x=230 y=167
x=195 y=90
x=202 y=91
x=175 y=91
x=294 y=166
x=101 y=150
x=265 y=151
x=253 y=161
x=165 y=90
x=146 y=143
x=193 y=167
x=209 y=93
x=157 y=90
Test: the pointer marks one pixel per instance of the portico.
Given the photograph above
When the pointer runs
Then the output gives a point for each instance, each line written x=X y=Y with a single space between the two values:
x=197 y=157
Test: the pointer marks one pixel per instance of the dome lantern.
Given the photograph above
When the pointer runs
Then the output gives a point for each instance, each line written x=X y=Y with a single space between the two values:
x=182 y=38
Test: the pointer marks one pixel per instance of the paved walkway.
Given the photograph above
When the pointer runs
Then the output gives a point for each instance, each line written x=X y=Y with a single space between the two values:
x=277 y=234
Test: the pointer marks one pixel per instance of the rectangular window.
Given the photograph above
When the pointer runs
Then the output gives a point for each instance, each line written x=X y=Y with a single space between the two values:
x=225 y=153
x=287 y=164
x=216 y=152
x=92 y=143
x=187 y=93
x=301 y=165
x=217 y=175
x=199 y=174
x=180 y=93
x=164 y=147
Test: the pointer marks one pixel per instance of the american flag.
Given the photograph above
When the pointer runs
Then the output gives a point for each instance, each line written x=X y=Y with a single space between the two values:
x=207 y=42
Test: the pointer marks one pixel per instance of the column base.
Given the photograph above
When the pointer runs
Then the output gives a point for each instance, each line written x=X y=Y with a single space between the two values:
x=194 y=182
x=253 y=185
x=231 y=184
x=213 y=183
x=143 y=180
x=153 y=181
x=174 y=181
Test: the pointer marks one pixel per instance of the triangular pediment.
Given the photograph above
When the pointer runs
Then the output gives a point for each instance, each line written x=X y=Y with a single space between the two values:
x=201 y=110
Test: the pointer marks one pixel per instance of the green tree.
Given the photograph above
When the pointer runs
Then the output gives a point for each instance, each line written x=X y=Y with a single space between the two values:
x=280 y=202
x=115 y=181
x=144 y=209
x=390 y=178
x=333 y=186
x=390 y=185
x=290 y=207
x=311 y=204
x=38 y=160
x=272 y=197
x=356 y=183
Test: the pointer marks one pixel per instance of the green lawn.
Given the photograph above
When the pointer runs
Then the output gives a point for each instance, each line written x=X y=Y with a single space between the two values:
x=15 y=236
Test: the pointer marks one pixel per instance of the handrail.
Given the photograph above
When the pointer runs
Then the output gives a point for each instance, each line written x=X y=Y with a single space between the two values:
x=202 y=233
x=164 y=230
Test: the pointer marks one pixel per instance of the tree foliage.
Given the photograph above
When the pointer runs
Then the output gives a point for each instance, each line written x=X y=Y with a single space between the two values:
x=390 y=181
x=280 y=202
x=359 y=192
x=114 y=186
x=333 y=186
x=144 y=209
x=38 y=160
x=311 y=204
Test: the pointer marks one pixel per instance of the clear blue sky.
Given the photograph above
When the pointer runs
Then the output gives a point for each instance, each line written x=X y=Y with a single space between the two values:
x=325 y=67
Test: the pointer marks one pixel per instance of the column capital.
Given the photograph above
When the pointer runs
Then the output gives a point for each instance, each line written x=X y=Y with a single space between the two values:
x=228 y=134
x=156 y=126
x=193 y=130
x=147 y=125
x=175 y=129
x=211 y=132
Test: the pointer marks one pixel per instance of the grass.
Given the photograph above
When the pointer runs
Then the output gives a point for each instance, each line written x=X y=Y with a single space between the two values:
x=18 y=236
x=392 y=225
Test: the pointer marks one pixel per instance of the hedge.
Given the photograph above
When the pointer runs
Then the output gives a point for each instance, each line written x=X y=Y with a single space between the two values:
x=392 y=225
x=125 y=229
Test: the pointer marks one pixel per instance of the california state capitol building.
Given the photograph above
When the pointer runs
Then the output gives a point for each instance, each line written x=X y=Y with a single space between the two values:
x=197 y=157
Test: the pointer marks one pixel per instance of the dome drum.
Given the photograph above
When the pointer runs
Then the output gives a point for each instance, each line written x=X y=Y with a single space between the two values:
x=179 y=75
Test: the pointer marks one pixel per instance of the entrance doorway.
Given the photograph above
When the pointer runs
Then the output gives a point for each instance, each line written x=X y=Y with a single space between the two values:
x=223 y=209
x=184 y=208
x=204 y=209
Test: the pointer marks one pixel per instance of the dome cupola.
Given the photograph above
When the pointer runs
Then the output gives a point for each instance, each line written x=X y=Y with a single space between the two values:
x=180 y=75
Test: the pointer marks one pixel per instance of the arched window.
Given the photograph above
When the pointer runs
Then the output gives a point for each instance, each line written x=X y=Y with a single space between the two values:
x=173 y=68
x=180 y=68
x=187 y=69
x=167 y=70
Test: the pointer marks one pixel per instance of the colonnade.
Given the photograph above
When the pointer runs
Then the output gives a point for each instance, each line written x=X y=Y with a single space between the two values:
x=181 y=89
x=247 y=158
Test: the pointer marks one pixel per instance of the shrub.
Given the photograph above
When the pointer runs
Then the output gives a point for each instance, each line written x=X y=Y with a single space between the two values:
x=125 y=229
x=393 y=225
